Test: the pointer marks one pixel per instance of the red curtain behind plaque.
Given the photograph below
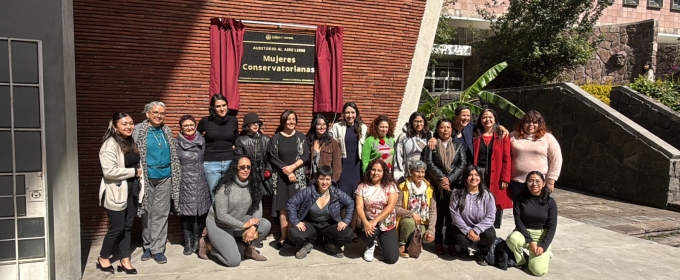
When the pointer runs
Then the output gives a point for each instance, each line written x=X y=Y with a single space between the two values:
x=226 y=53
x=328 y=73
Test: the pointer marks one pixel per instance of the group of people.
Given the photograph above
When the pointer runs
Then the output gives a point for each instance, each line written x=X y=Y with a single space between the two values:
x=339 y=183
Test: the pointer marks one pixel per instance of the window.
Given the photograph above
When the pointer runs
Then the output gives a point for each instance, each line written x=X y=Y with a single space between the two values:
x=445 y=76
x=675 y=5
x=632 y=2
x=609 y=2
x=654 y=3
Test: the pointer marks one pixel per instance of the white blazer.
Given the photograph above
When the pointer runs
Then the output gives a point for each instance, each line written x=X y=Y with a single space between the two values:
x=114 y=186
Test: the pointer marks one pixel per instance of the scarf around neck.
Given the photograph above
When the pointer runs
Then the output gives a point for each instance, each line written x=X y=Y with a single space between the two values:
x=447 y=154
x=417 y=199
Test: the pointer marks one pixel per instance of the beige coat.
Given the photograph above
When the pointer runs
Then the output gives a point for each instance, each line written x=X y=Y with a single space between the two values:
x=338 y=131
x=112 y=160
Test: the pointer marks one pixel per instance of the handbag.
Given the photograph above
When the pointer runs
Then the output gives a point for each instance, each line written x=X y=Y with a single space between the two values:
x=416 y=247
x=267 y=186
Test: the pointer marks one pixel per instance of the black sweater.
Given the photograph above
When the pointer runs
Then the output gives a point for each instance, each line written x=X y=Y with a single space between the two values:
x=530 y=214
x=220 y=135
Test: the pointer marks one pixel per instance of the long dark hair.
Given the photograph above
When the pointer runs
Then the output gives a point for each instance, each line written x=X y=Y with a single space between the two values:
x=126 y=144
x=325 y=138
x=543 y=197
x=386 y=180
x=411 y=132
x=231 y=176
x=284 y=119
x=480 y=127
x=213 y=100
x=357 y=121
x=461 y=194
x=375 y=127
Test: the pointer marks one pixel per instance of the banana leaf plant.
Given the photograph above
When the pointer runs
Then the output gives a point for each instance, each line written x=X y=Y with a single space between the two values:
x=472 y=96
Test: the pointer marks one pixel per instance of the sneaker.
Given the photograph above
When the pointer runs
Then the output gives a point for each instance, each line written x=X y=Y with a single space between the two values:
x=368 y=254
x=464 y=253
x=334 y=250
x=147 y=255
x=479 y=258
x=306 y=249
x=160 y=258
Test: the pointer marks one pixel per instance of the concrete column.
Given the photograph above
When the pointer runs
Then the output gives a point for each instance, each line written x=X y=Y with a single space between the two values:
x=421 y=57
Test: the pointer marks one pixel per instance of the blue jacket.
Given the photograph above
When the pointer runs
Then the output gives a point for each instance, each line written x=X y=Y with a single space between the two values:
x=298 y=206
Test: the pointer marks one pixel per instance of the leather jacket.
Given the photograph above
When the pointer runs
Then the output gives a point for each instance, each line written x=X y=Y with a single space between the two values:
x=255 y=147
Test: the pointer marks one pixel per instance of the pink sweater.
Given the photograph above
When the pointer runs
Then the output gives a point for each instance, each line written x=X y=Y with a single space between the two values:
x=542 y=155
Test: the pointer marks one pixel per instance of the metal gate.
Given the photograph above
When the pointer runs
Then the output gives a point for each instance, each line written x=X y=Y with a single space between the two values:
x=23 y=195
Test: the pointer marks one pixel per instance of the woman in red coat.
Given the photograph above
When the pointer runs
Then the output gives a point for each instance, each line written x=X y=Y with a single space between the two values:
x=491 y=153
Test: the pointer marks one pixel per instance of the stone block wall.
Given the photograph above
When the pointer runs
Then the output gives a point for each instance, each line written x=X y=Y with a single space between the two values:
x=666 y=58
x=604 y=152
x=645 y=111
x=620 y=56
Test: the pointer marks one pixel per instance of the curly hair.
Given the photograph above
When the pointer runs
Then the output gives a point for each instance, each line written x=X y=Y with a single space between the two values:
x=254 y=183
x=533 y=116
x=386 y=180
x=374 y=127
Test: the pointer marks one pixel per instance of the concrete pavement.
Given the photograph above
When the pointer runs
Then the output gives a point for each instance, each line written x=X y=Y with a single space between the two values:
x=581 y=251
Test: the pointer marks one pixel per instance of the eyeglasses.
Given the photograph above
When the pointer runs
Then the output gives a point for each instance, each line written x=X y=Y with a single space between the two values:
x=244 y=167
x=188 y=125
x=320 y=125
x=158 y=114
x=418 y=122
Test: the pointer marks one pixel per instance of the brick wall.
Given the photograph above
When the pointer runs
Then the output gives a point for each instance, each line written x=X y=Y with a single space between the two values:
x=132 y=52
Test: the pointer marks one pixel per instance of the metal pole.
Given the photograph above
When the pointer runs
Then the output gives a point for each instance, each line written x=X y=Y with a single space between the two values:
x=278 y=24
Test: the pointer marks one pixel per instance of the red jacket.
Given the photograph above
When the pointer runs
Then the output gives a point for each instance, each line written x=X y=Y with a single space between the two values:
x=501 y=168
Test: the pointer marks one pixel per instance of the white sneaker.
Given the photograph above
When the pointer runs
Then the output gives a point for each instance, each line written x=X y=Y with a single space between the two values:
x=368 y=254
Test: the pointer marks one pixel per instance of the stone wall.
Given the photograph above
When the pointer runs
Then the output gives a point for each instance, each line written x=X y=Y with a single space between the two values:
x=666 y=58
x=645 y=111
x=620 y=56
x=604 y=152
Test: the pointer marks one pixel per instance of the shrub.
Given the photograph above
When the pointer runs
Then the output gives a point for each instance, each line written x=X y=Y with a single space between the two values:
x=601 y=92
x=665 y=92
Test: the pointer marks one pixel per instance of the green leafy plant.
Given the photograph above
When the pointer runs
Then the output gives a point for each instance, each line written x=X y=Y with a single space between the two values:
x=471 y=97
x=538 y=38
x=601 y=92
x=663 y=91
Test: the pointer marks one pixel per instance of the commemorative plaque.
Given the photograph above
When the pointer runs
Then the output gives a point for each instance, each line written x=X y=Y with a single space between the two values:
x=277 y=58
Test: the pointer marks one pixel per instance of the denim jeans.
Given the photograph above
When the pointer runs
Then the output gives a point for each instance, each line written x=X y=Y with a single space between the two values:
x=213 y=172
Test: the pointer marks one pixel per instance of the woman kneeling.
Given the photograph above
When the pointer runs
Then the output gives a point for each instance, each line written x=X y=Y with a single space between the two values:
x=235 y=221
x=535 y=224
x=415 y=207
x=473 y=211
x=317 y=212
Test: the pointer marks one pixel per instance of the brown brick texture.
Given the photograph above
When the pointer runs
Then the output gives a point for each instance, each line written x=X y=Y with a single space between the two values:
x=131 y=52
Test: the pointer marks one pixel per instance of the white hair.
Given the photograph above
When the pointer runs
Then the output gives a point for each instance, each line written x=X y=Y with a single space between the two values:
x=152 y=104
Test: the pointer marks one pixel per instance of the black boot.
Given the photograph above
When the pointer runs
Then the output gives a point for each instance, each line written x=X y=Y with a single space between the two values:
x=499 y=219
x=188 y=240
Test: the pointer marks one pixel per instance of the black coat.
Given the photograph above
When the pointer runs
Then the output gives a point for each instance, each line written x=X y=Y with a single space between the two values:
x=255 y=147
x=194 y=194
x=435 y=165
x=499 y=255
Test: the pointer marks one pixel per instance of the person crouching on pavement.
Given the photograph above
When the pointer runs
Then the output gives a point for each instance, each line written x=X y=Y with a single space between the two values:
x=416 y=207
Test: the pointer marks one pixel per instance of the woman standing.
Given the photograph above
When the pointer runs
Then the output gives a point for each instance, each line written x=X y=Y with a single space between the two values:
x=324 y=149
x=254 y=144
x=375 y=199
x=492 y=156
x=410 y=144
x=380 y=143
x=235 y=222
x=535 y=224
x=318 y=211
x=194 y=194
x=445 y=164
x=473 y=210
x=534 y=148
x=416 y=207
x=120 y=185
x=220 y=132
x=350 y=133
x=288 y=152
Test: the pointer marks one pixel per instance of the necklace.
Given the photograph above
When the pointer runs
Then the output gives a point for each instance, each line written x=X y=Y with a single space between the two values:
x=327 y=194
x=153 y=132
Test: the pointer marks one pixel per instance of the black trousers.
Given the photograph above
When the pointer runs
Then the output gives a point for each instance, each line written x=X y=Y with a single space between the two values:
x=119 y=230
x=486 y=239
x=338 y=238
x=193 y=225
x=444 y=219
x=388 y=241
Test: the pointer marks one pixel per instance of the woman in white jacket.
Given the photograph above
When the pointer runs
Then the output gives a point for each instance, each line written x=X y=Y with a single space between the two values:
x=119 y=187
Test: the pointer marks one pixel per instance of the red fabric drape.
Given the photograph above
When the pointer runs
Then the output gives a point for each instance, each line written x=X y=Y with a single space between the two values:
x=226 y=53
x=328 y=72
